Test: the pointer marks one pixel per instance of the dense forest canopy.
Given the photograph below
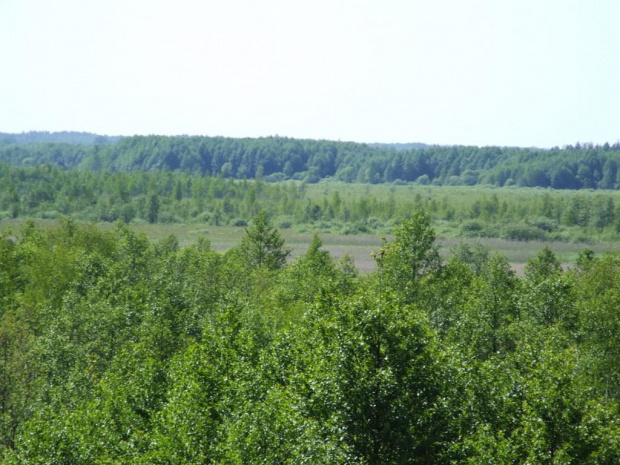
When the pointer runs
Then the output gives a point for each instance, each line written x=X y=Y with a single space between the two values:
x=582 y=166
x=114 y=349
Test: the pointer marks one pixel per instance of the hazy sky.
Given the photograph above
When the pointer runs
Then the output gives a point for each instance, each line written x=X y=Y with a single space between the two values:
x=483 y=72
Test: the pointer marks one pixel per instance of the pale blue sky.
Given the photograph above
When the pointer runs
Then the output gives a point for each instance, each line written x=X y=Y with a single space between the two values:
x=482 y=72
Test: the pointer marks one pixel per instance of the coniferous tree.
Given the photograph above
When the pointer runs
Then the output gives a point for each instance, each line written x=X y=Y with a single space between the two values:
x=153 y=208
x=262 y=245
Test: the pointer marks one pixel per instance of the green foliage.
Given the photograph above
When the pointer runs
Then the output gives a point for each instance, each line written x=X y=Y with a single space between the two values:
x=543 y=266
x=371 y=373
x=475 y=256
x=277 y=158
x=19 y=378
x=597 y=301
x=523 y=232
x=262 y=245
x=482 y=328
x=182 y=197
x=153 y=208
x=114 y=349
x=533 y=408
x=412 y=256
x=201 y=179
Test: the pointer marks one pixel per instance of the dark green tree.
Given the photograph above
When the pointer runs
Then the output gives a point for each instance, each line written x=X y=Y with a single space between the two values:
x=153 y=208
x=262 y=245
x=544 y=265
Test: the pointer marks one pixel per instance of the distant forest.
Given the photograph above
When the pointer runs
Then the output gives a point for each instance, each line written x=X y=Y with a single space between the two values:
x=579 y=166
x=63 y=137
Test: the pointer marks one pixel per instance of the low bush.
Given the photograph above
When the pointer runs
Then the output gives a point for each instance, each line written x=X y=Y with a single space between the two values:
x=523 y=232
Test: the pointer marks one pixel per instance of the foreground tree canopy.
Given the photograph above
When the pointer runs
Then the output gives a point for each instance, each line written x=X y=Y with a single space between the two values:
x=118 y=350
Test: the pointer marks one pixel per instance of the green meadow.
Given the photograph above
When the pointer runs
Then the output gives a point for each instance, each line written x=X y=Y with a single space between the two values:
x=358 y=246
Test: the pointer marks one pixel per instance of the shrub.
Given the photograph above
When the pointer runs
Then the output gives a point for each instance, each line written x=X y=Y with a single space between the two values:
x=50 y=215
x=169 y=218
x=523 y=232
x=544 y=224
x=203 y=217
x=472 y=228
x=238 y=222
x=275 y=177
x=423 y=180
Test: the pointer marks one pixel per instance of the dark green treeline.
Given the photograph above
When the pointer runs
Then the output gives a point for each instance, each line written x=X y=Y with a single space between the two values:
x=582 y=166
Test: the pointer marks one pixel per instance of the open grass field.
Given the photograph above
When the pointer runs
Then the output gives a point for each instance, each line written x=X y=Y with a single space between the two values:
x=461 y=198
x=358 y=246
x=579 y=216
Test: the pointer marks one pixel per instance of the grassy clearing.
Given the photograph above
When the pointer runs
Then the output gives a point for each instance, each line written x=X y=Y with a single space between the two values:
x=358 y=246
x=480 y=211
x=459 y=197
